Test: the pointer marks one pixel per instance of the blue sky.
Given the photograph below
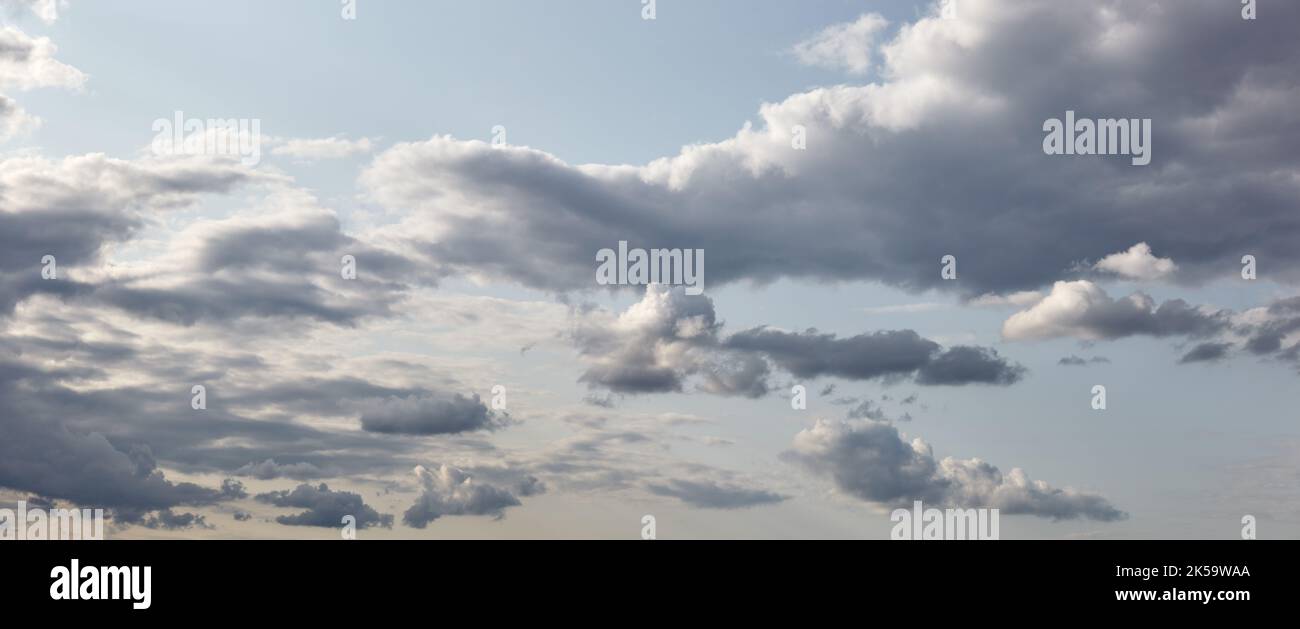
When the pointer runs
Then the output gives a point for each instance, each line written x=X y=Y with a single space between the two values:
x=475 y=271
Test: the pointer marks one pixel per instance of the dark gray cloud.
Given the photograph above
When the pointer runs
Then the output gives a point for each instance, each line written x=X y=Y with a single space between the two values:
x=712 y=495
x=324 y=507
x=74 y=208
x=44 y=453
x=871 y=461
x=1206 y=352
x=170 y=520
x=430 y=415
x=897 y=353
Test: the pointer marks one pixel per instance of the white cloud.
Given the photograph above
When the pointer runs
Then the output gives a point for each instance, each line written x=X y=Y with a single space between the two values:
x=322 y=148
x=14 y=121
x=46 y=10
x=1019 y=299
x=904 y=308
x=1137 y=263
x=28 y=63
x=1082 y=309
x=847 y=46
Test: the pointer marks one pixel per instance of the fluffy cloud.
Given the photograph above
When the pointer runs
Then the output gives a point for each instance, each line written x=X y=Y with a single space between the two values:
x=668 y=337
x=1082 y=309
x=942 y=156
x=1138 y=263
x=871 y=461
x=450 y=491
x=28 y=63
x=324 y=507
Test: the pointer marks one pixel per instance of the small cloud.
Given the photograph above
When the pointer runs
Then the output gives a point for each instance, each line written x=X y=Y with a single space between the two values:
x=312 y=149
x=1137 y=263
x=848 y=46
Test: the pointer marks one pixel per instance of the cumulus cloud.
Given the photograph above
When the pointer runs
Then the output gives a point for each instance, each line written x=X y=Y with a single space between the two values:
x=450 y=491
x=712 y=495
x=28 y=63
x=668 y=337
x=324 y=507
x=1138 y=263
x=1082 y=309
x=849 y=46
x=870 y=460
x=658 y=343
x=897 y=173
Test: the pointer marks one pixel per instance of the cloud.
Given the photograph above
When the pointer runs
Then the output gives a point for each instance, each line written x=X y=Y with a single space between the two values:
x=941 y=156
x=658 y=343
x=43 y=454
x=1076 y=361
x=269 y=470
x=28 y=63
x=1082 y=309
x=429 y=415
x=74 y=208
x=322 y=148
x=1206 y=352
x=167 y=519
x=896 y=353
x=870 y=460
x=450 y=491
x=669 y=337
x=46 y=10
x=324 y=507
x=849 y=46
x=1137 y=263
x=14 y=121
x=1019 y=299
x=711 y=495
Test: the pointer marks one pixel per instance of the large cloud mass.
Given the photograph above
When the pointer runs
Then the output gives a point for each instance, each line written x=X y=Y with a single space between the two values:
x=941 y=155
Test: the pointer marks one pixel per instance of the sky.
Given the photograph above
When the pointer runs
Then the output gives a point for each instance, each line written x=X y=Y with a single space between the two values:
x=394 y=311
